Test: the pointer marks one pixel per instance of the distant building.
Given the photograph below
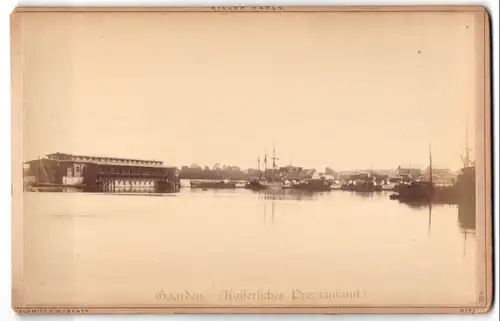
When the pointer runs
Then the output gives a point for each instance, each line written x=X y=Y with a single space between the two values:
x=299 y=173
x=440 y=174
x=290 y=169
x=380 y=177
x=359 y=176
x=330 y=172
x=438 y=171
x=101 y=159
x=405 y=172
x=328 y=177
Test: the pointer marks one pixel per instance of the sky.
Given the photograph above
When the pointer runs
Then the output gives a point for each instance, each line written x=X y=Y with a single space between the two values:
x=348 y=91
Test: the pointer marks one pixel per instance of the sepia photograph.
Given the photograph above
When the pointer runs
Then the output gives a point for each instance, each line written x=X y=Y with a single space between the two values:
x=251 y=159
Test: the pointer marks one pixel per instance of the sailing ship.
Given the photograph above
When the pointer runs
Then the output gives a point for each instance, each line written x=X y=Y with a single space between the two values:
x=417 y=190
x=268 y=179
x=465 y=185
x=462 y=191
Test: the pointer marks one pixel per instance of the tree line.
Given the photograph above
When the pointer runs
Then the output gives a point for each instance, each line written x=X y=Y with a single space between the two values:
x=218 y=171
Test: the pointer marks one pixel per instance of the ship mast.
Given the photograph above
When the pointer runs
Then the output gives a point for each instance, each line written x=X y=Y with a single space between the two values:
x=37 y=178
x=274 y=162
x=258 y=165
x=430 y=163
x=265 y=163
x=274 y=158
x=466 y=160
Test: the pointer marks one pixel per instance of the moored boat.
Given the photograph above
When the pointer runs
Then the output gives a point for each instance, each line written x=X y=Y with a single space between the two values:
x=259 y=184
x=265 y=180
x=367 y=187
x=223 y=184
x=313 y=185
x=348 y=186
x=463 y=190
x=415 y=191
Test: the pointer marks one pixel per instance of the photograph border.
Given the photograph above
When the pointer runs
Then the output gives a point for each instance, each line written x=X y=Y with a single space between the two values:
x=483 y=143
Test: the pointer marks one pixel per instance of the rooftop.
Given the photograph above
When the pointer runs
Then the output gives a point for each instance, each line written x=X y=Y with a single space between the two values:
x=109 y=161
x=116 y=163
x=101 y=159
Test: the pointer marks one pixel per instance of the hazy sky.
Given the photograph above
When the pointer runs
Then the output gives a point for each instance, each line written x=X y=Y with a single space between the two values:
x=344 y=90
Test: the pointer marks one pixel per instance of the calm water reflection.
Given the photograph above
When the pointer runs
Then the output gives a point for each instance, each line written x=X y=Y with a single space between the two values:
x=85 y=248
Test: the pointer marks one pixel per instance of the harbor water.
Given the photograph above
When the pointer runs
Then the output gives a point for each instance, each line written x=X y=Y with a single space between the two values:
x=83 y=249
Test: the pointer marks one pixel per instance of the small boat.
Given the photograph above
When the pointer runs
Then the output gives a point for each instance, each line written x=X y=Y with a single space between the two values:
x=260 y=184
x=367 y=186
x=400 y=185
x=416 y=191
x=240 y=184
x=223 y=184
x=336 y=187
x=272 y=184
x=388 y=187
x=313 y=185
x=254 y=184
x=287 y=184
x=349 y=186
